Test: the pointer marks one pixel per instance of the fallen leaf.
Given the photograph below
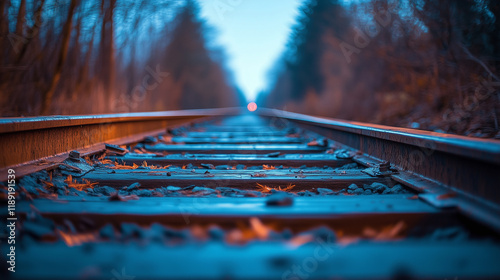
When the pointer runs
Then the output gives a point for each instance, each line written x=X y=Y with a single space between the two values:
x=313 y=143
x=79 y=186
x=122 y=166
x=288 y=188
x=386 y=234
x=263 y=188
x=259 y=228
x=321 y=143
x=268 y=167
x=300 y=240
x=74 y=239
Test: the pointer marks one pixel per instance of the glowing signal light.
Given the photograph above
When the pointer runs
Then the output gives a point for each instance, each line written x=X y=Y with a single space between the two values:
x=252 y=106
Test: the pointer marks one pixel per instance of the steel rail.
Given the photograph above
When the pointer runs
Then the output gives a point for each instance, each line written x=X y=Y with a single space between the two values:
x=467 y=164
x=33 y=138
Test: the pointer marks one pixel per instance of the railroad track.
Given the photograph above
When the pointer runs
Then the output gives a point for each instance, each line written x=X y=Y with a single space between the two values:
x=227 y=194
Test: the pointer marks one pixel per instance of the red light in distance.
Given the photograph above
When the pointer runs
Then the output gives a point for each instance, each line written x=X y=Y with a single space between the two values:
x=252 y=106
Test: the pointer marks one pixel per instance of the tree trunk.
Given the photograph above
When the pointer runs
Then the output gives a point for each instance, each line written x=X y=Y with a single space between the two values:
x=106 y=52
x=32 y=30
x=66 y=34
x=21 y=18
x=83 y=76
x=4 y=29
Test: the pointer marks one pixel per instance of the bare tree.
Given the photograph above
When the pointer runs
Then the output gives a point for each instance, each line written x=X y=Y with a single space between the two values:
x=49 y=93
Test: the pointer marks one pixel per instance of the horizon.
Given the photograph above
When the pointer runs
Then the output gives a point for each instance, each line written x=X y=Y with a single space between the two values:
x=252 y=46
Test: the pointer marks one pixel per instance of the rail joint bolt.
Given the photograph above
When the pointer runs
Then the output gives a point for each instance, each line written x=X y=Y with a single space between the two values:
x=74 y=155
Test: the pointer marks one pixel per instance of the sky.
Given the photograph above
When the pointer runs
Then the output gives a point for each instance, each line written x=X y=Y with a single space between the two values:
x=254 y=33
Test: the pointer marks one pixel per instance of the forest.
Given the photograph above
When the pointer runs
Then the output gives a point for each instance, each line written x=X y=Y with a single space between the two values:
x=109 y=56
x=423 y=64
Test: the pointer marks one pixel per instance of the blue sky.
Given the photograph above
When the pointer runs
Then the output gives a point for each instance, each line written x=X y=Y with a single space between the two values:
x=254 y=34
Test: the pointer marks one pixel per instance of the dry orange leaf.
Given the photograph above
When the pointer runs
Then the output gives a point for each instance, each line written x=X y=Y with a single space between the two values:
x=313 y=143
x=263 y=188
x=122 y=166
x=79 y=186
x=77 y=238
x=288 y=188
x=145 y=164
x=387 y=233
x=259 y=228
x=266 y=189
x=146 y=152
x=268 y=167
x=47 y=184
x=300 y=240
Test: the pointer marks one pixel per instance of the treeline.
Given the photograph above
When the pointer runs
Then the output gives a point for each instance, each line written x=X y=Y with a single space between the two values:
x=104 y=56
x=421 y=63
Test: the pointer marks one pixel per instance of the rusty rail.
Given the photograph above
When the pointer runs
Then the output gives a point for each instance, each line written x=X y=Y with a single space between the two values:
x=28 y=139
x=463 y=163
